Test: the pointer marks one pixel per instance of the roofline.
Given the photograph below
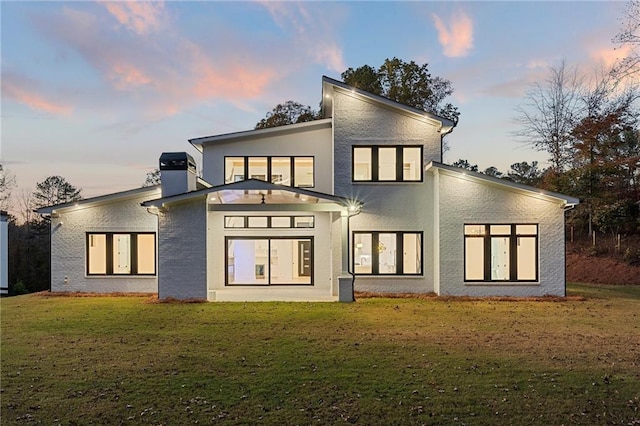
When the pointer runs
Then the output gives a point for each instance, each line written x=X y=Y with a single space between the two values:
x=99 y=199
x=446 y=125
x=250 y=184
x=270 y=131
x=519 y=187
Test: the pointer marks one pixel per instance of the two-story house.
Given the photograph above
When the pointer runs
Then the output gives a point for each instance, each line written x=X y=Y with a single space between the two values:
x=358 y=199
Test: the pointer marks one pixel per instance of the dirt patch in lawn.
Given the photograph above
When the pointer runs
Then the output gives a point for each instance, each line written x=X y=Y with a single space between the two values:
x=600 y=270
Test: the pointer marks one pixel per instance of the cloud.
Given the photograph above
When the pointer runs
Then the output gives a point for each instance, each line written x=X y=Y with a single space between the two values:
x=457 y=40
x=609 y=56
x=21 y=90
x=158 y=76
x=312 y=31
x=142 y=17
x=125 y=75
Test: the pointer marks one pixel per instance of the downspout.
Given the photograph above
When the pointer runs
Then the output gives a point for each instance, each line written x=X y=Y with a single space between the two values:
x=349 y=257
x=156 y=212
x=565 y=209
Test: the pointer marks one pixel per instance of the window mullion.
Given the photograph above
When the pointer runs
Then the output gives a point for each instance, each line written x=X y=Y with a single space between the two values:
x=399 y=164
x=487 y=253
x=375 y=258
x=292 y=171
x=513 y=254
x=374 y=164
x=133 y=252
x=109 y=253
x=269 y=159
x=400 y=253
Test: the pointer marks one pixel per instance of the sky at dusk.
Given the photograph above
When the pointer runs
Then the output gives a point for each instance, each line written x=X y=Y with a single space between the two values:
x=96 y=91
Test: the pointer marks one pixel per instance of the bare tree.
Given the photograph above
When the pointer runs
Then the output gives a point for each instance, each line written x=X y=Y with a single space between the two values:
x=152 y=178
x=549 y=114
x=25 y=205
x=629 y=37
x=7 y=183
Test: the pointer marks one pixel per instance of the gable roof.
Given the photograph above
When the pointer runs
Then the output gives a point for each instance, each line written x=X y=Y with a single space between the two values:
x=261 y=133
x=102 y=199
x=257 y=188
x=503 y=183
x=329 y=85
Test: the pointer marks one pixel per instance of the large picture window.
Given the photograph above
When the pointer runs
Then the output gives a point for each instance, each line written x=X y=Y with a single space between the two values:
x=116 y=253
x=387 y=163
x=289 y=171
x=387 y=253
x=269 y=261
x=501 y=252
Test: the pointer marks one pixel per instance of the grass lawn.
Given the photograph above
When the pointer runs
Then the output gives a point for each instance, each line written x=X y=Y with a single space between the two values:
x=122 y=360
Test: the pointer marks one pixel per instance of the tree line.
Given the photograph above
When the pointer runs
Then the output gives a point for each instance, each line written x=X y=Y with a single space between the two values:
x=30 y=233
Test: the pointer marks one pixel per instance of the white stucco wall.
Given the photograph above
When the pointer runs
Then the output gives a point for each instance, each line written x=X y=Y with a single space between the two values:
x=182 y=250
x=4 y=254
x=387 y=206
x=68 y=244
x=322 y=253
x=466 y=201
x=315 y=143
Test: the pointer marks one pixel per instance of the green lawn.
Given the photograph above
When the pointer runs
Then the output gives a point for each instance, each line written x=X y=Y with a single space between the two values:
x=122 y=360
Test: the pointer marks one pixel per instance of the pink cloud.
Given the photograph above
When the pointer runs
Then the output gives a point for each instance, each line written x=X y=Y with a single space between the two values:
x=457 y=39
x=142 y=17
x=609 y=56
x=19 y=90
x=163 y=75
x=126 y=75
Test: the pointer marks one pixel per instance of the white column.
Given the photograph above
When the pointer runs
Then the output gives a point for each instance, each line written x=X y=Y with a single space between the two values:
x=344 y=216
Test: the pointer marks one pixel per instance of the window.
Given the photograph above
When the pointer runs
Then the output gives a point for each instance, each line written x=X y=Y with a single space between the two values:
x=387 y=163
x=289 y=171
x=501 y=252
x=387 y=253
x=269 y=222
x=269 y=261
x=121 y=253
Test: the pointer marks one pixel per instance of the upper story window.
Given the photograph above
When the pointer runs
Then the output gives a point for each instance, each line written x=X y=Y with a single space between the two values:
x=499 y=252
x=387 y=163
x=289 y=171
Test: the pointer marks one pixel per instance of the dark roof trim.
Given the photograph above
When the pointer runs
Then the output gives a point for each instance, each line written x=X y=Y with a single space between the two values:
x=445 y=123
x=260 y=133
x=99 y=199
x=250 y=184
x=434 y=165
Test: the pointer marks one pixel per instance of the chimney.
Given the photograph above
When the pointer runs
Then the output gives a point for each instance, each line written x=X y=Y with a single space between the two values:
x=177 y=173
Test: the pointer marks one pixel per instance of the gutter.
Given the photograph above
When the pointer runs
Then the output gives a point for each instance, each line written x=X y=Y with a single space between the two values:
x=349 y=271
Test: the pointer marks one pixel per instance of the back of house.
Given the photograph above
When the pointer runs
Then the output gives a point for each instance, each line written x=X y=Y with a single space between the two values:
x=358 y=200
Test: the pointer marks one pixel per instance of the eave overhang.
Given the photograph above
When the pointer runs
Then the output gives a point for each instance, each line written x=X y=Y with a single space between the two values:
x=565 y=200
x=252 y=194
x=329 y=85
x=198 y=143
x=102 y=199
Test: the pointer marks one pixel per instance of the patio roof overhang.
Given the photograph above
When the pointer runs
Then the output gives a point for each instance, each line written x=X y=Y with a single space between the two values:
x=252 y=195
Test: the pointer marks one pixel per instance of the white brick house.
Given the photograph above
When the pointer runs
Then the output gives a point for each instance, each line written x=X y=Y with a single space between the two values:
x=356 y=200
